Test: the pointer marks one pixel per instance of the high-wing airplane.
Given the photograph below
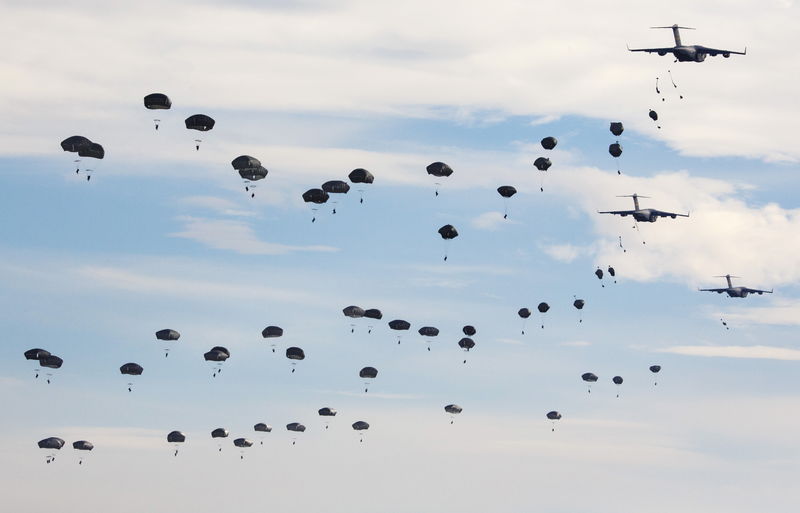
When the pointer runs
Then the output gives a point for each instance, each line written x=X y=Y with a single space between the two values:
x=735 y=291
x=642 y=214
x=687 y=53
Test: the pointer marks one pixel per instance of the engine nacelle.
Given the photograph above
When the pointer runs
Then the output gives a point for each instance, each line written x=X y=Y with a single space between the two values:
x=662 y=53
x=699 y=57
x=726 y=55
x=653 y=218
x=744 y=293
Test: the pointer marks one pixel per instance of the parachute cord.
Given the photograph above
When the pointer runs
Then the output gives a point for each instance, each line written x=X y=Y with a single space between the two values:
x=541 y=180
x=636 y=227
x=673 y=83
x=621 y=246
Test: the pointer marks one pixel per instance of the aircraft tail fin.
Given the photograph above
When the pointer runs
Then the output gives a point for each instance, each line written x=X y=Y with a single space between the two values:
x=675 y=32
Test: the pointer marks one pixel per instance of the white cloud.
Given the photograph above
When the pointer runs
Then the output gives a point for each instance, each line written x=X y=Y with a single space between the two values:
x=757 y=352
x=489 y=221
x=236 y=236
x=784 y=312
x=565 y=252
x=219 y=205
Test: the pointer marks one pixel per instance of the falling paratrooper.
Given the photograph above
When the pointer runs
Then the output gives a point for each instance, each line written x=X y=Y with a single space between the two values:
x=542 y=164
x=157 y=101
x=360 y=175
x=439 y=170
x=448 y=232
x=251 y=171
x=131 y=369
x=167 y=335
x=201 y=123
x=554 y=416
x=399 y=325
x=216 y=356
x=295 y=354
x=589 y=378
x=506 y=191
x=367 y=373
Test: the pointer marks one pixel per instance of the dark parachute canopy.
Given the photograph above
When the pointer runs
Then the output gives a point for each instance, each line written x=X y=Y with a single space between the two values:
x=167 y=334
x=176 y=437
x=542 y=163
x=589 y=377
x=82 y=445
x=296 y=427
x=448 y=231
x=399 y=325
x=217 y=354
x=52 y=442
x=354 y=312
x=132 y=369
x=262 y=428
x=368 y=372
x=615 y=149
x=220 y=433
x=317 y=196
x=157 y=101
x=429 y=331
x=360 y=175
x=51 y=361
x=243 y=442
x=466 y=343
x=524 y=313
x=93 y=150
x=75 y=143
x=453 y=409
x=295 y=353
x=617 y=380
x=506 y=191
x=336 y=187
x=272 y=332
x=616 y=128
x=326 y=412
x=653 y=115
x=373 y=313
x=250 y=169
x=655 y=369
x=469 y=330
x=360 y=425
x=36 y=354
x=199 y=122
x=548 y=143
x=439 y=169
x=553 y=415
x=543 y=307
x=579 y=304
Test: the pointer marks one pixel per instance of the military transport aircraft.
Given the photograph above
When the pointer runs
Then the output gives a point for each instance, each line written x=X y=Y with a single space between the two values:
x=687 y=53
x=735 y=291
x=649 y=215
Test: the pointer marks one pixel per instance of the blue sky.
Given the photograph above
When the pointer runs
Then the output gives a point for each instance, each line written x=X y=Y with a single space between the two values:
x=164 y=236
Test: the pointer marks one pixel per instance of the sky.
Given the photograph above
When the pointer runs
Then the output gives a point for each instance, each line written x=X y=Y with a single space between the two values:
x=165 y=236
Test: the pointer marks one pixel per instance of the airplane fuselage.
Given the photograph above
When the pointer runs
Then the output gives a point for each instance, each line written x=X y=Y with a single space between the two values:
x=646 y=215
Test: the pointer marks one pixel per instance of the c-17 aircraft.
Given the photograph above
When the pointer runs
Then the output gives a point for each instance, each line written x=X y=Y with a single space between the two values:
x=735 y=291
x=687 y=53
x=649 y=215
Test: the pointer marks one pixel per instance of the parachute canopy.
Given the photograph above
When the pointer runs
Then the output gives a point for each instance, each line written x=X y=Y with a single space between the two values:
x=157 y=101
x=655 y=369
x=543 y=307
x=469 y=330
x=295 y=353
x=466 y=343
x=448 y=231
x=615 y=149
x=336 y=187
x=327 y=412
x=75 y=143
x=599 y=273
x=353 y=311
x=93 y=150
x=296 y=426
x=616 y=128
x=611 y=271
x=439 y=169
x=167 y=335
x=262 y=428
x=542 y=163
x=272 y=332
x=360 y=175
x=428 y=331
x=36 y=354
x=548 y=143
x=51 y=361
x=453 y=409
x=524 y=313
x=617 y=380
x=399 y=325
x=589 y=377
x=132 y=369
x=317 y=196
x=578 y=303
x=216 y=355
x=243 y=442
x=199 y=122
x=220 y=433
x=52 y=442
x=653 y=115
x=373 y=313
x=360 y=425
x=176 y=437
x=83 y=445
x=553 y=415
x=368 y=372
x=506 y=191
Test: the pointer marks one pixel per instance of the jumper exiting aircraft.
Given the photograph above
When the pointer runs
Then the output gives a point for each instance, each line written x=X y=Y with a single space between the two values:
x=686 y=53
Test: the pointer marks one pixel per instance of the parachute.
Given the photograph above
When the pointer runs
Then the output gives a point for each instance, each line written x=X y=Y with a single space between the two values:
x=295 y=427
x=612 y=273
x=262 y=428
x=82 y=445
x=295 y=354
x=439 y=170
x=466 y=344
x=542 y=164
x=654 y=116
x=554 y=416
x=50 y=361
x=217 y=355
x=326 y=412
x=599 y=274
x=251 y=170
x=615 y=150
x=360 y=175
x=220 y=433
x=317 y=197
x=447 y=232
x=335 y=187
x=548 y=143
x=242 y=443
x=36 y=355
x=579 y=304
x=506 y=191
x=469 y=330
x=131 y=369
x=175 y=438
x=367 y=373
x=399 y=325
x=543 y=308
x=75 y=143
x=453 y=410
x=201 y=123
x=272 y=332
x=428 y=331
x=360 y=426
x=167 y=335
x=655 y=369
x=354 y=312
x=617 y=381
x=589 y=378
x=52 y=444
x=157 y=101
x=524 y=313
x=372 y=313
x=616 y=128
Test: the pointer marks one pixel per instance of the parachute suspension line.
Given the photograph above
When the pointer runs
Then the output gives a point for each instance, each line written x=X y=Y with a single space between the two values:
x=77 y=165
x=673 y=83
x=621 y=246
x=658 y=92
x=541 y=180
x=636 y=227
x=197 y=144
x=314 y=218
x=524 y=321
x=505 y=208
x=156 y=122
x=436 y=190
x=554 y=427
x=446 y=247
x=361 y=196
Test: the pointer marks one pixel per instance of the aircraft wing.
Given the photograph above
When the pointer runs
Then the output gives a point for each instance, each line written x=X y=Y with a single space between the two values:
x=618 y=212
x=756 y=291
x=659 y=213
x=659 y=51
x=714 y=51
x=718 y=291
